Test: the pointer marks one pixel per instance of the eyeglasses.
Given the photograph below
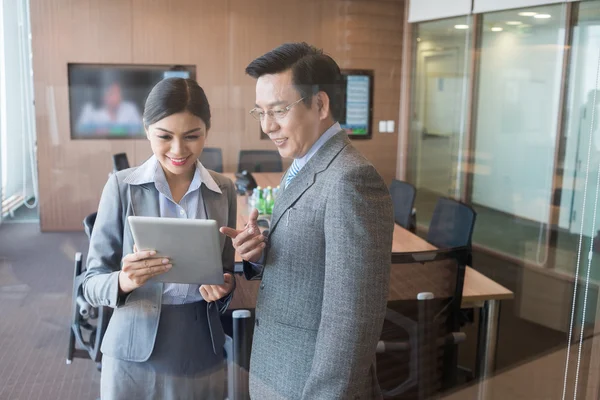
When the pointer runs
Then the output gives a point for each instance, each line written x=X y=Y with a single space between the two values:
x=278 y=114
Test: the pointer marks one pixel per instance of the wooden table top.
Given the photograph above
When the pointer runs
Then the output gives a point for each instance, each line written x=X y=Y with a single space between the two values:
x=477 y=287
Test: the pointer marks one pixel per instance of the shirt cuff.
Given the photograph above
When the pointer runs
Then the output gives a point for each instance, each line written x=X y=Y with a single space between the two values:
x=261 y=261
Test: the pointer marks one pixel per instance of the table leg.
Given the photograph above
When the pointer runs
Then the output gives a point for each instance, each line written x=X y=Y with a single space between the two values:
x=487 y=341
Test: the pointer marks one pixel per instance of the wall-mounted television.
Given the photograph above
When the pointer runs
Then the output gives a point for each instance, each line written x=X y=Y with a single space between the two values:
x=106 y=101
x=357 y=117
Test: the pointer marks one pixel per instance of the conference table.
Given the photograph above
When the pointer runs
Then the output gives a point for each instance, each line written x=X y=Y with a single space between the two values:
x=479 y=291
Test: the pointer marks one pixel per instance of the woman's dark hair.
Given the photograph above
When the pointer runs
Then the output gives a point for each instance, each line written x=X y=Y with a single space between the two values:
x=174 y=95
x=312 y=72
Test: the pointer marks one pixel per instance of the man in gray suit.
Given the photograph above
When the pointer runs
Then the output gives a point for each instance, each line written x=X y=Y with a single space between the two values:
x=325 y=263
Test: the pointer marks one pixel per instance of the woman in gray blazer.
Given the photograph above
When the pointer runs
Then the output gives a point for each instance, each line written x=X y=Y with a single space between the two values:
x=164 y=341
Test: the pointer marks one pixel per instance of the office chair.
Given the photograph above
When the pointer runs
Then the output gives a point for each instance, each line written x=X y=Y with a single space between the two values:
x=120 y=162
x=452 y=224
x=212 y=158
x=417 y=353
x=88 y=323
x=260 y=161
x=403 y=198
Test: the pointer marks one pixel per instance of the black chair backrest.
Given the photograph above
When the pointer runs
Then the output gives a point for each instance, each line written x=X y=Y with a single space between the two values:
x=212 y=158
x=260 y=161
x=440 y=271
x=403 y=198
x=88 y=224
x=426 y=326
x=452 y=224
x=120 y=162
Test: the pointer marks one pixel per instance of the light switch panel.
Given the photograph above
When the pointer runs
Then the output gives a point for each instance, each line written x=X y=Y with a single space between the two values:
x=390 y=126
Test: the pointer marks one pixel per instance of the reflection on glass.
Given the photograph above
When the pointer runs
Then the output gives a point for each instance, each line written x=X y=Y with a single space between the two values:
x=578 y=239
x=582 y=136
x=438 y=110
x=515 y=131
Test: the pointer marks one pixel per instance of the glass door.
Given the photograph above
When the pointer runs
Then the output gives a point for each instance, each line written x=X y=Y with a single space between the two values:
x=439 y=110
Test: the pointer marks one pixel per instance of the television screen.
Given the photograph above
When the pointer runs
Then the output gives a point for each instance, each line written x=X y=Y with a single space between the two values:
x=358 y=97
x=107 y=101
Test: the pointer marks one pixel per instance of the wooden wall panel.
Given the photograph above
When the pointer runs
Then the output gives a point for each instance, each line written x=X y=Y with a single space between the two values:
x=368 y=35
x=72 y=173
x=253 y=31
x=220 y=38
x=189 y=32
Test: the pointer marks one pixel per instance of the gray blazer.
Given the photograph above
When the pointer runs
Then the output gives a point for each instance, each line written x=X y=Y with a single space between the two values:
x=132 y=329
x=323 y=296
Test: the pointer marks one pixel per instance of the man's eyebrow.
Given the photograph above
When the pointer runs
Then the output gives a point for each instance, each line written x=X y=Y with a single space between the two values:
x=275 y=103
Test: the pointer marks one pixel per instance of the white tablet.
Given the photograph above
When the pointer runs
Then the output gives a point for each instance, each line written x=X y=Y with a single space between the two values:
x=192 y=245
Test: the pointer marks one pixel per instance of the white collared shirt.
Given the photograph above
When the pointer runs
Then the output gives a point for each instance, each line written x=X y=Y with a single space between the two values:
x=329 y=133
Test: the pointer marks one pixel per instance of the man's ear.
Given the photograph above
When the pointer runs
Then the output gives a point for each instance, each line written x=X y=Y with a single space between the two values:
x=323 y=105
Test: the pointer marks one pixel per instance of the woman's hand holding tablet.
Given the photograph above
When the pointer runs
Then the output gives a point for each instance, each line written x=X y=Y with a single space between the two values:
x=139 y=267
x=215 y=292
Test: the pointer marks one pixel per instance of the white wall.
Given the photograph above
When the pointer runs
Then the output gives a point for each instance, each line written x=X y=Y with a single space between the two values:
x=441 y=90
x=426 y=10
x=440 y=56
x=482 y=6
x=516 y=120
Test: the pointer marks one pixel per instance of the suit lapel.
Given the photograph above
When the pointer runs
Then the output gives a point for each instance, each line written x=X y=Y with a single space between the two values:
x=291 y=194
x=144 y=203
x=144 y=200
x=214 y=209
x=307 y=176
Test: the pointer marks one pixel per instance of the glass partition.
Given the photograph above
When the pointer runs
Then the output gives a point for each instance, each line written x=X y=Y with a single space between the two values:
x=438 y=110
x=577 y=245
x=516 y=127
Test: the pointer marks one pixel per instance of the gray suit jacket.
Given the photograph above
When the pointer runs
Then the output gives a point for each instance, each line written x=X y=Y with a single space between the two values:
x=323 y=296
x=132 y=329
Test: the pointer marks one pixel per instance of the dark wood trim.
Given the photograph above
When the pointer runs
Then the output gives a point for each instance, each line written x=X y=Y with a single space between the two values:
x=472 y=109
x=560 y=147
x=406 y=97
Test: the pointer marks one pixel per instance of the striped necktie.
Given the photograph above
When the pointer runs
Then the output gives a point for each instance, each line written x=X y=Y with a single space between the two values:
x=293 y=171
